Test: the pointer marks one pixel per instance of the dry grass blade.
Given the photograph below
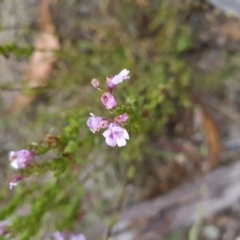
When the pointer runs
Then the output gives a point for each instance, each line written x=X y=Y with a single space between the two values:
x=212 y=136
x=211 y=133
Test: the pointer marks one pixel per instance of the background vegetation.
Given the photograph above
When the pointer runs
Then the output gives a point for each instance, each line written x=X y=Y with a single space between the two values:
x=77 y=180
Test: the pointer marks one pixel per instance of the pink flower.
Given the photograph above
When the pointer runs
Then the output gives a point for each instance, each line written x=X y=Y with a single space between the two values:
x=110 y=84
x=108 y=100
x=3 y=227
x=14 y=182
x=116 y=135
x=21 y=159
x=121 y=119
x=66 y=236
x=96 y=123
x=95 y=83
x=123 y=75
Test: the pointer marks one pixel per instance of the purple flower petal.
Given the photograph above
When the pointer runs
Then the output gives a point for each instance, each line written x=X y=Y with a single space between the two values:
x=95 y=123
x=111 y=141
x=21 y=159
x=107 y=133
x=14 y=182
x=116 y=135
x=123 y=75
x=108 y=100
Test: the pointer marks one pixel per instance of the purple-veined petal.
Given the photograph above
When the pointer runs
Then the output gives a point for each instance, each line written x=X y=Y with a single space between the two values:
x=110 y=141
x=117 y=129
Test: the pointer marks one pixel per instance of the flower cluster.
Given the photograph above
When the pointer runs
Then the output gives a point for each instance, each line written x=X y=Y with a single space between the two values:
x=19 y=160
x=115 y=133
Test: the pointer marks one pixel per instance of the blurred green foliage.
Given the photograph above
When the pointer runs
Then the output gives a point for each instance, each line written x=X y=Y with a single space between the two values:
x=13 y=48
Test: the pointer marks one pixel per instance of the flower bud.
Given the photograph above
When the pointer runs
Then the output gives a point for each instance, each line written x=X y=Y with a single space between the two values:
x=108 y=100
x=14 y=182
x=95 y=83
x=121 y=118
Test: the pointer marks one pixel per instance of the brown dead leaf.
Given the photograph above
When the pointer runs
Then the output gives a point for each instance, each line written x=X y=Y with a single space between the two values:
x=211 y=131
x=42 y=60
x=212 y=137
